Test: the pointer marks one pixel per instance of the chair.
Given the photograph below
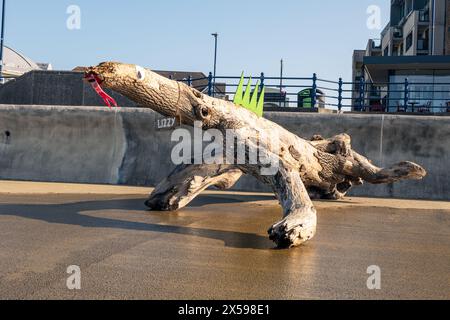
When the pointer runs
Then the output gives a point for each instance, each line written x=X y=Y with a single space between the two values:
x=376 y=107
x=426 y=107
x=400 y=107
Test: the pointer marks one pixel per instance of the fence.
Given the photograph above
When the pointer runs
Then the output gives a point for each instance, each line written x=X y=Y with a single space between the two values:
x=296 y=93
x=310 y=93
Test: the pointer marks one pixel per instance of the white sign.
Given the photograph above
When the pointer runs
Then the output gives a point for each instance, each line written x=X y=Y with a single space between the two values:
x=166 y=123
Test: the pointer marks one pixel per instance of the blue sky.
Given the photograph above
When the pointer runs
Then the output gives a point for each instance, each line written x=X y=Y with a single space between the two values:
x=311 y=36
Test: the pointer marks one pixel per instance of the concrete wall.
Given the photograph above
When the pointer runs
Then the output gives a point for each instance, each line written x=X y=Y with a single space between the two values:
x=64 y=88
x=386 y=140
x=439 y=28
x=410 y=27
x=447 y=29
x=96 y=145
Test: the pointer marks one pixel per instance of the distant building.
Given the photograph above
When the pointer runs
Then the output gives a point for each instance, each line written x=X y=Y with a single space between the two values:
x=45 y=66
x=15 y=64
x=199 y=80
x=417 y=27
x=415 y=45
x=358 y=73
x=274 y=98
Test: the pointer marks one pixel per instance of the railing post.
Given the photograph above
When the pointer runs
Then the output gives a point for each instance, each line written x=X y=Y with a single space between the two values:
x=210 y=84
x=406 y=99
x=314 y=91
x=261 y=86
x=340 y=94
x=362 y=85
x=189 y=81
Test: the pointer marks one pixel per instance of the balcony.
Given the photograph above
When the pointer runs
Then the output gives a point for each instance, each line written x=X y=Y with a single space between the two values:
x=424 y=16
x=375 y=44
x=405 y=18
x=373 y=47
x=397 y=33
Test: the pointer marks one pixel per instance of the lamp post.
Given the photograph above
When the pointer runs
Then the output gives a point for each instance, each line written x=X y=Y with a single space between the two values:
x=215 y=35
x=2 y=41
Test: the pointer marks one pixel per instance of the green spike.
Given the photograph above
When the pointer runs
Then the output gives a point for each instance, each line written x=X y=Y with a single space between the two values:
x=260 y=108
x=246 y=99
x=238 y=96
x=254 y=101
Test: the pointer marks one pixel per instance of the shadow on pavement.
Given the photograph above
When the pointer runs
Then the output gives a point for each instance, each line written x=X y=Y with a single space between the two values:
x=71 y=214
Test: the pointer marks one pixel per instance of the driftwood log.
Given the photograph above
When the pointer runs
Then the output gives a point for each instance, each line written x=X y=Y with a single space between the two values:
x=316 y=169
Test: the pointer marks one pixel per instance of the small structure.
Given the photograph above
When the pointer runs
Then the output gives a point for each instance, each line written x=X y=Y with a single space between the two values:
x=15 y=64
x=274 y=98
x=304 y=99
x=198 y=79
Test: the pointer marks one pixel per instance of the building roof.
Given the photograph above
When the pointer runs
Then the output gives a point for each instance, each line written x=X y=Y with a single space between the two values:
x=199 y=79
x=16 y=64
x=79 y=69
x=379 y=67
x=181 y=75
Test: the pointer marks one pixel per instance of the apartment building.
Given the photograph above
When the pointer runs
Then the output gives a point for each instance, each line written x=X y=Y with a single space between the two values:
x=414 y=47
x=416 y=27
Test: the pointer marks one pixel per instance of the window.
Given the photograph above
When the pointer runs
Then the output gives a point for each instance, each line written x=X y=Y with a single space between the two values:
x=386 y=51
x=427 y=88
x=408 y=7
x=422 y=44
x=409 y=41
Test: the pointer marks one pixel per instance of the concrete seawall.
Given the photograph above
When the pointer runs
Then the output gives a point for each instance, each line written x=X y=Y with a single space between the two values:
x=96 y=145
x=65 y=88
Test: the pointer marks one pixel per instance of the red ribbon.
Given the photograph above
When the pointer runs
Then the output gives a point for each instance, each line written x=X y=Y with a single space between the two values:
x=93 y=80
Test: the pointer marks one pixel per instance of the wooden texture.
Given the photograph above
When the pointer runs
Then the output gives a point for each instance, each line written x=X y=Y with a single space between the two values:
x=306 y=169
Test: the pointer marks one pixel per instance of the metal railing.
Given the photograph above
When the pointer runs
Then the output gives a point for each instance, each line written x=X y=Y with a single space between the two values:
x=310 y=93
x=5 y=79
x=424 y=15
x=406 y=96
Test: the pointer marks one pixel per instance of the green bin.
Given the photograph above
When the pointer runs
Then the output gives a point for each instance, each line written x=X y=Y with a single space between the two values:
x=304 y=99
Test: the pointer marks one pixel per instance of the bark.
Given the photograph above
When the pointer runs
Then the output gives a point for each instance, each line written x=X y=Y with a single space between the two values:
x=319 y=168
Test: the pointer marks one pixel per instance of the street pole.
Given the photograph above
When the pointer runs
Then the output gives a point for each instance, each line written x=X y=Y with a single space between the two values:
x=215 y=35
x=2 y=41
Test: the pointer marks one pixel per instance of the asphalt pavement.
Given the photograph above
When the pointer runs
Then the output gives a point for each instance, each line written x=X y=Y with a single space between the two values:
x=217 y=248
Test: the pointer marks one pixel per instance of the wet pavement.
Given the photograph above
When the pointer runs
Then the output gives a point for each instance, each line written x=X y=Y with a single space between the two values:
x=217 y=248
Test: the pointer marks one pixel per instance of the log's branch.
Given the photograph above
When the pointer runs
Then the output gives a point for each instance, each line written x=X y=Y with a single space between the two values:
x=299 y=215
x=352 y=169
x=361 y=167
x=337 y=145
x=299 y=222
x=335 y=192
x=186 y=182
